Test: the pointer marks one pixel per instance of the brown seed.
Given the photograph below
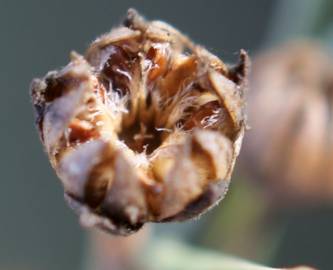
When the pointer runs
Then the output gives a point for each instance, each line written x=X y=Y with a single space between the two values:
x=140 y=131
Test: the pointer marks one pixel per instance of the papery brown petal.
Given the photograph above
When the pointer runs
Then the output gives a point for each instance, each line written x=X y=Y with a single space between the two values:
x=175 y=80
x=98 y=53
x=229 y=94
x=219 y=149
x=76 y=167
x=212 y=195
x=125 y=200
x=89 y=219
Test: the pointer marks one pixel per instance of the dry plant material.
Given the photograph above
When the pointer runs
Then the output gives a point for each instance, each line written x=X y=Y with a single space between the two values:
x=145 y=127
x=290 y=146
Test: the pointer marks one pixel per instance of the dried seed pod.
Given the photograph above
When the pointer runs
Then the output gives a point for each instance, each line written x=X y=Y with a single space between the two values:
x=290 y=145
x=145 y=127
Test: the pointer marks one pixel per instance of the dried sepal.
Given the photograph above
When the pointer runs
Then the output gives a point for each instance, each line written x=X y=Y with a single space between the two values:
x=145 y=127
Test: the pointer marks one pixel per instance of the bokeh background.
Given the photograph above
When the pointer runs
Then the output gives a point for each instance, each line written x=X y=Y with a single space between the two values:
x=38 y=231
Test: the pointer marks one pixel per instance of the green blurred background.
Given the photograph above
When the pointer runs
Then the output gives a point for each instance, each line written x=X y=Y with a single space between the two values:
x=37 y=229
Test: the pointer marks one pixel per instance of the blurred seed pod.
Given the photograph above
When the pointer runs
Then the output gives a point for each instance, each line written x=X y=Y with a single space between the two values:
x=290 y=146
x=146 y=127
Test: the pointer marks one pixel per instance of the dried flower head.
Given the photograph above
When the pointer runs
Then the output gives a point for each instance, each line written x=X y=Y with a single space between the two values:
x=145 y=127
x=290 y=146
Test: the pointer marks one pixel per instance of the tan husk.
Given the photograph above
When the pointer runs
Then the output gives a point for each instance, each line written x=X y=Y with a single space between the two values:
x=289 y=149
x=140 y=131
